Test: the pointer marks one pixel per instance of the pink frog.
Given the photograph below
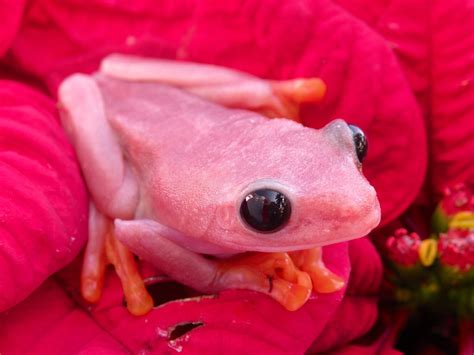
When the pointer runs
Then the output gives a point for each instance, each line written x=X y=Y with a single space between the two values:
x=186 y=170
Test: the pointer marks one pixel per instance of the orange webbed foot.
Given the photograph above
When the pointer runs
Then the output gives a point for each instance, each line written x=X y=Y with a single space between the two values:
x=102 y=249
x=272 y=273
x=310 y=261
x=95 y=261
x=292 y=94
x=138 y=299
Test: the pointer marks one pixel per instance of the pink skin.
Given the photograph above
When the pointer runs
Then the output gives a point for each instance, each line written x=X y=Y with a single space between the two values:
x=171 y=170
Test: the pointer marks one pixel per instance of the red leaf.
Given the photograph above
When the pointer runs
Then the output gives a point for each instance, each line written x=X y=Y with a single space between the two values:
x=434 y=45
x=42 y=200
x=267 y=38
x=10 y=23
x=49 y=322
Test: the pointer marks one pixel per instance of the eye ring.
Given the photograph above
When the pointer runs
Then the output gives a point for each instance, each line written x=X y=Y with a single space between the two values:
x=360 y=142
x=265 y=210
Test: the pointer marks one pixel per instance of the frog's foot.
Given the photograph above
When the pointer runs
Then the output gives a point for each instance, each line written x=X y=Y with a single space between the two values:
x=222 y=85
x=310 y=261
x=274 y=274
x=103 y=248
x=291 y=94
x=95 y=261
x=138 y=299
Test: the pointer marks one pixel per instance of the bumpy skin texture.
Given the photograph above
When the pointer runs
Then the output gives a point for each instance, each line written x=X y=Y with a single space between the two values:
x=269 y=39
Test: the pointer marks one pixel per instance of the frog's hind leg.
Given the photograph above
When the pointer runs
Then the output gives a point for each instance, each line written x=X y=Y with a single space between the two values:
x=273 y=274
x=102 y=249
x=267 y=97
x=225 y=86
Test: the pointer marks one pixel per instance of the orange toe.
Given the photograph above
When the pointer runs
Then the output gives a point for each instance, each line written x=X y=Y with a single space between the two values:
x=272 y=273
x=138 y=299
x=323 y=279
x=91 y=289
x=299 y=91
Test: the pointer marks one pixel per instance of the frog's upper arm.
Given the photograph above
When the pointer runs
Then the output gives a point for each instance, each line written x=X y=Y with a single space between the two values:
x=108 y=177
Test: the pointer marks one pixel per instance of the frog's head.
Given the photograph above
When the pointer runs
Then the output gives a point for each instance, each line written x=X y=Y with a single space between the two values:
x=299 y=188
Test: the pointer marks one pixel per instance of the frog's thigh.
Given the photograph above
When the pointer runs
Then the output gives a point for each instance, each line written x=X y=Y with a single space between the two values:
x=145 y=239
x=224 y=86
x=182 y=74
x=217 y=84
x=109 y=179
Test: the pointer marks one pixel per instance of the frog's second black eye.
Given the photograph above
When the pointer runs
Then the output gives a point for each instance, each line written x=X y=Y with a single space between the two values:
x=360 y=142
x=265 y=210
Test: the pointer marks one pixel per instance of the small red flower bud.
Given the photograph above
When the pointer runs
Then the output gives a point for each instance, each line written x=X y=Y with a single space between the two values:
x=402 y=248
x=459 y=198
x=456 y=249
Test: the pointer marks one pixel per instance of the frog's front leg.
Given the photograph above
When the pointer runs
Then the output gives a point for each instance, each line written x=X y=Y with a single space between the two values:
x=227 y=87
x=112 y=186
x=274 y=274
x=109 y=179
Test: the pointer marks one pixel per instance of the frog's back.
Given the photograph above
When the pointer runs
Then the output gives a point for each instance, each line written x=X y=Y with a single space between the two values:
x=160 y=115
x=195 y=160
x=176 y=143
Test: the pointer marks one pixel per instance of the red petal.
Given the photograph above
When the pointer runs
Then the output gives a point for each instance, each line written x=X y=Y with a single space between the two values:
x=270 y=39
x=366 y=274
x=42 y=199
x=10 y=22
x=49 y=322
x=435 y=48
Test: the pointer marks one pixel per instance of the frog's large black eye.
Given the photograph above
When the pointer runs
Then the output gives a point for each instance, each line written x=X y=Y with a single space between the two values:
x=265 y=210
x=360 y=142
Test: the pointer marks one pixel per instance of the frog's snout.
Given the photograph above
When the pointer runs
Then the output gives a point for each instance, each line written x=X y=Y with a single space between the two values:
x=352 y=213
x=367 y=210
